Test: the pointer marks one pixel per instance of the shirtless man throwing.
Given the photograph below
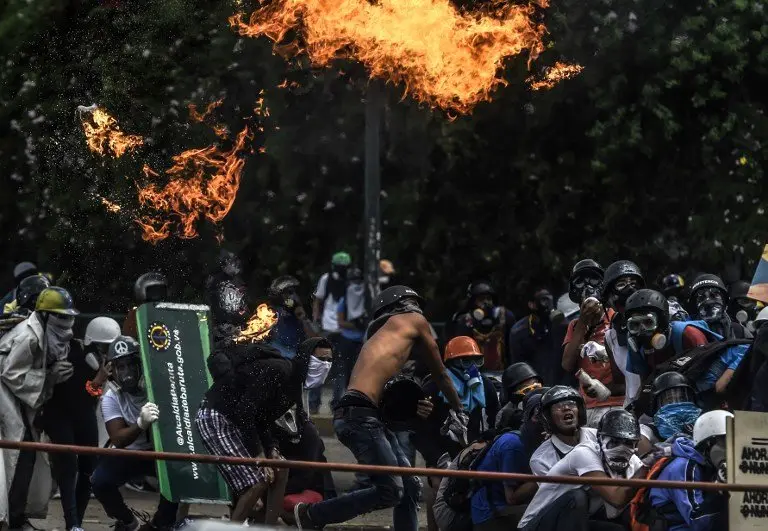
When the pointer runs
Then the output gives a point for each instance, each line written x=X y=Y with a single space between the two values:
x=397 y=329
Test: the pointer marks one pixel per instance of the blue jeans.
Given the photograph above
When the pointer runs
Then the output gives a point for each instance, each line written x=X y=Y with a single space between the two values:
x=373 y=444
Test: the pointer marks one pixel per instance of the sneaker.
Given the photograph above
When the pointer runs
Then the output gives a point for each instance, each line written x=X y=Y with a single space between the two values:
x=76 y=529
x=136 y=485
x=301 y=515
x=126 y=526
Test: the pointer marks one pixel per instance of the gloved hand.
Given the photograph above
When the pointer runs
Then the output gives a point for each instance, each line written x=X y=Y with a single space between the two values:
x=455 y=427
x=61 y=371
x=149 y=414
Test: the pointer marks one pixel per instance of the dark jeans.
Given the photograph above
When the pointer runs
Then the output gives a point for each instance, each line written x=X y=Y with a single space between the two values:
x=112 y=473
x=22 y=477
x=373 y=444
x=569 y=512
x=73 y=472
x=347 y=351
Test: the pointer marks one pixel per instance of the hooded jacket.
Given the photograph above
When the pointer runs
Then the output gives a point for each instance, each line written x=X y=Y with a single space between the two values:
x=254 y=385
x=692 y=509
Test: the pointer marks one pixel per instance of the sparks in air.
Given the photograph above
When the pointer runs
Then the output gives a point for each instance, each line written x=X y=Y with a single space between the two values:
x=103 y=134
x=258 y=326
x=442 y=57
x=553 y=75
x=111 y=206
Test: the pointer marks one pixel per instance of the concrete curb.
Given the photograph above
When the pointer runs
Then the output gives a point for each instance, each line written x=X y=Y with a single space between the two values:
x=324 y=424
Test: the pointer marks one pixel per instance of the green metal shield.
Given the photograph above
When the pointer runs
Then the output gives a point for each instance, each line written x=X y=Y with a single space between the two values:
x=175 y=344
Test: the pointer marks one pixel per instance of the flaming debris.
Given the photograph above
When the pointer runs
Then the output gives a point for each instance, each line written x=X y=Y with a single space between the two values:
x=102 y=133
x=259 y=325
x=443 y=57
x=110 y=205
x=203 y=183
x=554 y=74
x=196 y=116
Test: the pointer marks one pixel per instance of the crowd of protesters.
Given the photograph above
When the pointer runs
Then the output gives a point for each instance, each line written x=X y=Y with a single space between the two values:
x=613 y=379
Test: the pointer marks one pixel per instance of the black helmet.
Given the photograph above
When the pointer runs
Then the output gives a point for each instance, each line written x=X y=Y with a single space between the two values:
x=24 y=270
x=644 y=300
x=391 y=296
x=620 y=424
x=621 y=268
x=282 y=283
x=515 y=374
x=561 y=393
x=739 y=289
x=583 y=267
x=355 y=274
x=672 y=284
x=671 y=388
x=28 y=290
x=480 y=288
x=708 y=280
x=121 y=347
x=150 y=287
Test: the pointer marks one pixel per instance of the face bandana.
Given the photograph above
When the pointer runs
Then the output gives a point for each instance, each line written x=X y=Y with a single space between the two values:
x=674 y=419
x=58 y=333
x=317 y=372
x=616 y=455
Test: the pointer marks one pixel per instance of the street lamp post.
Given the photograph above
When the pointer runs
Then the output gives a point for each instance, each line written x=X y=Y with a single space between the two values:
x=372 y=208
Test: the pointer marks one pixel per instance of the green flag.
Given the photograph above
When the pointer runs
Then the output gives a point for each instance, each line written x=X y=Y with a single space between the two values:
x=175 y=344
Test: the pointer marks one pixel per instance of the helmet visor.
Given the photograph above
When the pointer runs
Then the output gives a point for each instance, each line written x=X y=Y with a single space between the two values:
x=675 y=395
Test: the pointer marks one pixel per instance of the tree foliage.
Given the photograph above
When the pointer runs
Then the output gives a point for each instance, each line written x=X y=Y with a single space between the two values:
x=655 y=152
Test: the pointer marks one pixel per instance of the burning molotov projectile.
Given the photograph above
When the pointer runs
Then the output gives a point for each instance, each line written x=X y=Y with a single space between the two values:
x=103 y=134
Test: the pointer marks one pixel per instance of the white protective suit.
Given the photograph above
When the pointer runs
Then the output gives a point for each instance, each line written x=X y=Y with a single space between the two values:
x=22 y=392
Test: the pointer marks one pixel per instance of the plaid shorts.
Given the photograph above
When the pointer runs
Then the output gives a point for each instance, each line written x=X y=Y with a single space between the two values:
x=221 y=437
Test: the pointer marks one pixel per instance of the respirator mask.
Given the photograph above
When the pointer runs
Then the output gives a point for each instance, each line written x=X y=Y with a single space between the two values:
x=643 y=332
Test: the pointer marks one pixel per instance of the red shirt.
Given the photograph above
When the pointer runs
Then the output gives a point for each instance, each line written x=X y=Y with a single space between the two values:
x=600 y=370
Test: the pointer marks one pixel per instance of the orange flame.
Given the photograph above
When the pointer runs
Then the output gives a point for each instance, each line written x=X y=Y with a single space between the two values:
x=203 y=182
x=554 y=75
x=196 y=116
x=444 y=57
x=259 y=325
x=103 y=135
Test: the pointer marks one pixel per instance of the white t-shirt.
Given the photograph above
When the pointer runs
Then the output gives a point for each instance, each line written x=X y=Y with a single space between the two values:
x=584 y=458
x=329 y=320
x=620 y=354
x=118 y=405
x=551 y=450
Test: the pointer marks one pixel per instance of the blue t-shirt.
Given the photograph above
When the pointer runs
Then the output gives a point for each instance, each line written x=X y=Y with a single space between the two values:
x=729 y=359
x=288 y=334
x=347 y=333
x=506 y=455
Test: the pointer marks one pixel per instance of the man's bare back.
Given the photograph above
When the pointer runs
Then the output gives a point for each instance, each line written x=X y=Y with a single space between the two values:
x=385 y=353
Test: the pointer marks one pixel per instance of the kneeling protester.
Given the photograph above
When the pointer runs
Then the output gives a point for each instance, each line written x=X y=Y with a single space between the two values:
x=558 y=506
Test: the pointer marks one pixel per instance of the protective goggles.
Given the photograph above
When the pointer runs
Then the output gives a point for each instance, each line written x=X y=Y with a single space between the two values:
x=624 y=283
x=614 y=442
x=637 y=324
x=467 y=362
x=528 y=388
x=565 y=404
x=582 y=282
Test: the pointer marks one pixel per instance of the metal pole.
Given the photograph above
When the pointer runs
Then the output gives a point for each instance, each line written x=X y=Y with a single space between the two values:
x=372 y=213
x=376 y=469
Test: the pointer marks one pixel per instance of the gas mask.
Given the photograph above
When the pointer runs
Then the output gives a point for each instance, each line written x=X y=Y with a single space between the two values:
x=289 y=425
x=744 y=309
x=586 y=286
x=717 y=456
x=486 y=314
x=339 y=272
x=468 y=369
x=317 y=372
x=617 y=454
x=544 y=303
x=127 y=374
x=709 y=304
x=621 y=291
x=643 y=332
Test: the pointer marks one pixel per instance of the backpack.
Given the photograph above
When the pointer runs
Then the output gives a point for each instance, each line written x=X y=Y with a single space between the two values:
x=642 y=515
x=695 y=363
x=458 y=493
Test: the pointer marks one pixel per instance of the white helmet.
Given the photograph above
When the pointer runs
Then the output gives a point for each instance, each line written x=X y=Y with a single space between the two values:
x=710 y=424
x=761 y=318
x=101 y=330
